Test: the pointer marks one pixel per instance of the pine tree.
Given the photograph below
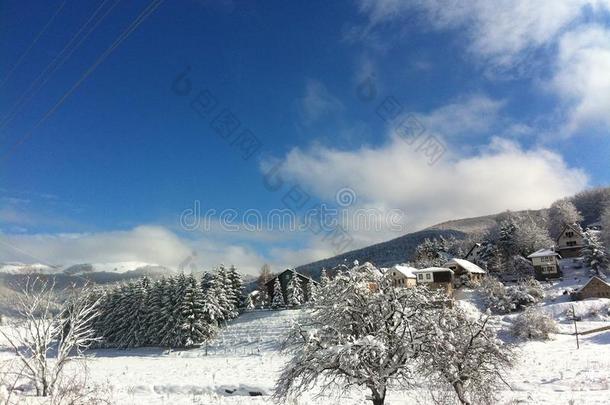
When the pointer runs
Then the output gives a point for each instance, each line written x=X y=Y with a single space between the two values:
x=224 y=295
x=193 y=313
x=212 y=311
x=135 y=331
x=294 y=291
x=156 y=319
x=278 y=296
x=237 y=285
x=207 y=281
x=324 y=278
x=594 y=253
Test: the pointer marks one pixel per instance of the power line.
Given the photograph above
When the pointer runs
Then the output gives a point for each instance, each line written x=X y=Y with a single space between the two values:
x=29 y=48
x=153 y=5
x=55 y=64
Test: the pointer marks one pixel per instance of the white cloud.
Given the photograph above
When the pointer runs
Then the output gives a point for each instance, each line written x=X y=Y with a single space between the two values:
x=149 y=244
x=318 y=102
x=582 y=78
x=498 y=31
x=467 y=116
x=503 y=176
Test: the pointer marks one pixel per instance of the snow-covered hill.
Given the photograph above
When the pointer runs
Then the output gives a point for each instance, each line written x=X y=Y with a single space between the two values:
x=84 y=268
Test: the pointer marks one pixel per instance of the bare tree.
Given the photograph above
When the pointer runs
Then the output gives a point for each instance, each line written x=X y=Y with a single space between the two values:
x=465 y=354
x=47 y=336
x=362 y=332
x=562 y=213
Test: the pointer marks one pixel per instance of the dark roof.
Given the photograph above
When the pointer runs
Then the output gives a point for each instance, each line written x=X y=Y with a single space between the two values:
x=272 y=280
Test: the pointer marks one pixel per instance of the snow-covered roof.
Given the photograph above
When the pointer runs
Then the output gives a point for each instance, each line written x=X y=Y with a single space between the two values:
x=590 y=280
x=406 y=271
x=543 y=253
x=433 y=270
x=470 y=267
x=368 y=268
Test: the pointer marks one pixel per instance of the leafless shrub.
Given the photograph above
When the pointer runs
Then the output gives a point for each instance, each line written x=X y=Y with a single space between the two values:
x=534 y=324
x=45 y=338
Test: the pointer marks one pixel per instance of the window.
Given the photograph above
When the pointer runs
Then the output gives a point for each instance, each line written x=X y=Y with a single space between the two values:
x=569 y=234
x=571 y=243
x=428 y=276
x=420 y=276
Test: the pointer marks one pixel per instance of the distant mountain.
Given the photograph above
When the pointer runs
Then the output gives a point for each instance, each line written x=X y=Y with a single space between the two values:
x=402 y=249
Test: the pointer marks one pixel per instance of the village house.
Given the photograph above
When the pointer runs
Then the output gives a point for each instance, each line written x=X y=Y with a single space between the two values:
x=285 y=277
x=436 y=278
x=570 y=241
x=402 y=276
x=546 y=264
x=464 y=269
x=595 y=288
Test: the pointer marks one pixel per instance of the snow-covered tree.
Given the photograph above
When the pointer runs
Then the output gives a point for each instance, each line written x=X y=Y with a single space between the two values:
x=278 y=296
x=594 y=253
x=294 y=291
x=213 y=313
x=590 y=203
x=193 y=312
x=311 y=292
x=507 y=232
x=324 y=280
x=366 y=338
x=431 y=253
x=465 y=354
x=237 y=285
x=225 y=294
x=534 y=324
x=530 y=237
x=47 y=338
x=562 y=213
x=502 y=299
x=605 y=220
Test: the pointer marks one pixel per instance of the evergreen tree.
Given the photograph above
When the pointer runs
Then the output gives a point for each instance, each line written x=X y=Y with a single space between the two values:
x=224 y=295
x=135 y=332
x=237 y=285
x=324 y=278
x=294 y=291
x=193 y=313
x=594 y=253
x=156 y=316
x=207 y=281
x=278 y=296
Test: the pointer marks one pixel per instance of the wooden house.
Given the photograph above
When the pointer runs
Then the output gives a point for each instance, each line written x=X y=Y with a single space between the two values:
x=546 y=264
x=595 y=288
x=570 y=241
x=285 y=278
x=402 y=276
x=464 y=268
x=435 y=278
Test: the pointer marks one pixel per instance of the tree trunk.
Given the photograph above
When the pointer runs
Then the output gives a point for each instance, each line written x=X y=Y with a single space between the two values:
x=378 y=396
x=458 y=386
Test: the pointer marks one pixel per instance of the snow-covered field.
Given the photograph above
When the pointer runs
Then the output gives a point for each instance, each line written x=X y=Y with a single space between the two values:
x=245 y=360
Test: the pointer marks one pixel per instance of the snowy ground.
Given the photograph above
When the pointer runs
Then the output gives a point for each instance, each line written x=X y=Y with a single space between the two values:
x=245 y=361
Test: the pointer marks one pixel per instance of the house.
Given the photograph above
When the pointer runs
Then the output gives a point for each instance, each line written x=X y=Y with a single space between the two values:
x=474 y=253
x=465 y=269
x=402 y=276
x=546 y=264
x=570 y=241
x=435 y=277
x=595 y=288
x=285 y=277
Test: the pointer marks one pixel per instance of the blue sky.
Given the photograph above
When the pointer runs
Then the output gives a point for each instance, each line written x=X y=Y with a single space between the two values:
x=518 y=96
